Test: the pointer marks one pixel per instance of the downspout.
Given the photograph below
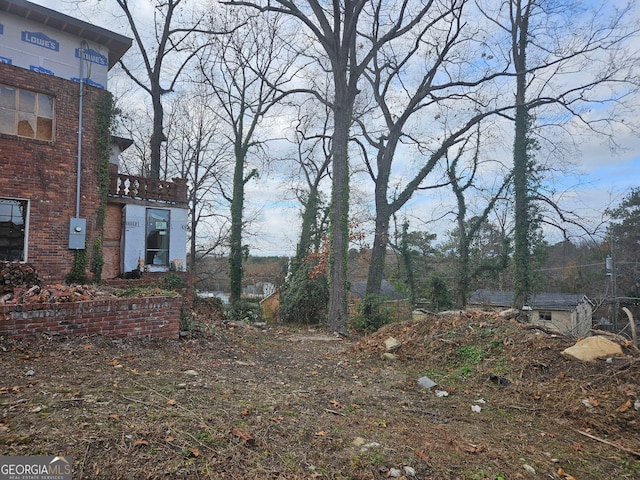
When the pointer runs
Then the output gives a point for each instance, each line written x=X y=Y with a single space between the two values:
x=83 y=47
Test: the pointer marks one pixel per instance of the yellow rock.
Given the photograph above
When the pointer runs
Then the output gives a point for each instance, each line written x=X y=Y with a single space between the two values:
x=592 y=348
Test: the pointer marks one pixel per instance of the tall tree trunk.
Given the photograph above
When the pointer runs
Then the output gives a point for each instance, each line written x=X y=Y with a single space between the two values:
x=522 y=274
x=378 y=252
x=339 y=216
x=383 y=217
x=309 y=219
x=157 y=135
x=192 y=241
x=407 y=259
x=235 y=255
x=462 y=274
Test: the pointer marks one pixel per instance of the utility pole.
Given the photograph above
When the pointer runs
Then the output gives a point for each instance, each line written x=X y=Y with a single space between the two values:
x=610 y=265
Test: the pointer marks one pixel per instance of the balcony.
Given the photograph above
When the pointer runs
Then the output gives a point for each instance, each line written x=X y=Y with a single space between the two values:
x=130 y=187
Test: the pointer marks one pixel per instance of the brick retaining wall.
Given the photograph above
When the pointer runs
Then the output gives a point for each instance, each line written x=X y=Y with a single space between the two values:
x=119 y=317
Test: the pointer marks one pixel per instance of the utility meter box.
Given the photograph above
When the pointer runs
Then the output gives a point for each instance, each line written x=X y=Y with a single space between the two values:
x=77 y=233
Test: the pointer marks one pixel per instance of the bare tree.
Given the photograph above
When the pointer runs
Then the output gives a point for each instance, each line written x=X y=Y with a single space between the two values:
x=135 y=124
x=195 y=152
x=566 y=58
x=344 y=50
x=312 y=162
x=427 y=96
x=246 y=71
x=164 y=57
x=462 y=178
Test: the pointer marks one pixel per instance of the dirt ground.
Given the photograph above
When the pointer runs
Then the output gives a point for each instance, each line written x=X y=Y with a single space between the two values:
x=238 y=402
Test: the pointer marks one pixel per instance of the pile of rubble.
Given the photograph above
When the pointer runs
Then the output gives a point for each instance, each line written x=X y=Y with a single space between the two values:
x=17 y=275
x=57 y=293
x=20 y=283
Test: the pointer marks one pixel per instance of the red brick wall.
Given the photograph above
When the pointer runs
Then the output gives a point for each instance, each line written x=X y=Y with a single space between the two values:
x=45 y=172
x=119 y=317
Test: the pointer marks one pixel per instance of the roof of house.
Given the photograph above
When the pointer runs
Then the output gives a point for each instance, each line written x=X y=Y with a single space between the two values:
x=116 y=43
x=387 y=291
x=121 y=142
x=540 y=301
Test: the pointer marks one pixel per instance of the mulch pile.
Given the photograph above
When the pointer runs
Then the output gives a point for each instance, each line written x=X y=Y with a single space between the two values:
x=598 y=399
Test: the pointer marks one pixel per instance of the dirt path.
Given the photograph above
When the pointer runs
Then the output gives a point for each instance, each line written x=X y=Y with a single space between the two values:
x=244 y=403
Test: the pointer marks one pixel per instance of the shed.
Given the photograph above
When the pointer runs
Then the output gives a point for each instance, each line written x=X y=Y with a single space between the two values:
x=569 y=313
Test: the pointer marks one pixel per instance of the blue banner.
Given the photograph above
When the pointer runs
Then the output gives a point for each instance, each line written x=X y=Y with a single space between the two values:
x=88 y=81
x=36 y=68
x=41 y=40
x=92 y=56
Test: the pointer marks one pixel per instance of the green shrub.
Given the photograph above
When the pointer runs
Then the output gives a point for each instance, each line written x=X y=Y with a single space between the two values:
x=372 y=314
x=437 y=294
x=245 y=310
x=173 y=281
x=213 y=304
x=78 y=273
x=304 y=297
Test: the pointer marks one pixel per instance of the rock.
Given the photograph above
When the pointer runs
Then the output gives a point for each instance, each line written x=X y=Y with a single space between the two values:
x=636 y=404
x=410 y=471
x=476 y=408
x=395 y=472
x=426 y=382
x=529 y=469
x=391 y=344
x=389 y=356
x=359 y=441
x=191 y=373
x=364 y=446
x=592 y=348
x=442 y=393
x=370 y=445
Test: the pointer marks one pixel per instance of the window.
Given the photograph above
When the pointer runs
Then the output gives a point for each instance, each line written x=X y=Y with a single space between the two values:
x=13 y=227
x=157 y=251
x=544 y=316
x=26 y=114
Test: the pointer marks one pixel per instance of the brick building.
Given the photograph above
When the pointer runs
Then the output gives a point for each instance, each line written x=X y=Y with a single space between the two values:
x=53 y=77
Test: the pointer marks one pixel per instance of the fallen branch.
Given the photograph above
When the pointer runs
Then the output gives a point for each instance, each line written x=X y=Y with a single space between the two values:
x=623 y=341
x=607 y=442
x=632 y=324
x=335 y=412
x=16 y=402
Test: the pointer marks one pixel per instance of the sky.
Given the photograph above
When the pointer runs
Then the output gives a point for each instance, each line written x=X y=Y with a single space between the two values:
x=598 y=177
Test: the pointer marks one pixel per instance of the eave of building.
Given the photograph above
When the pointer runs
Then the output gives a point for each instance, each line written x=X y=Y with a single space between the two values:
x=116 y=43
